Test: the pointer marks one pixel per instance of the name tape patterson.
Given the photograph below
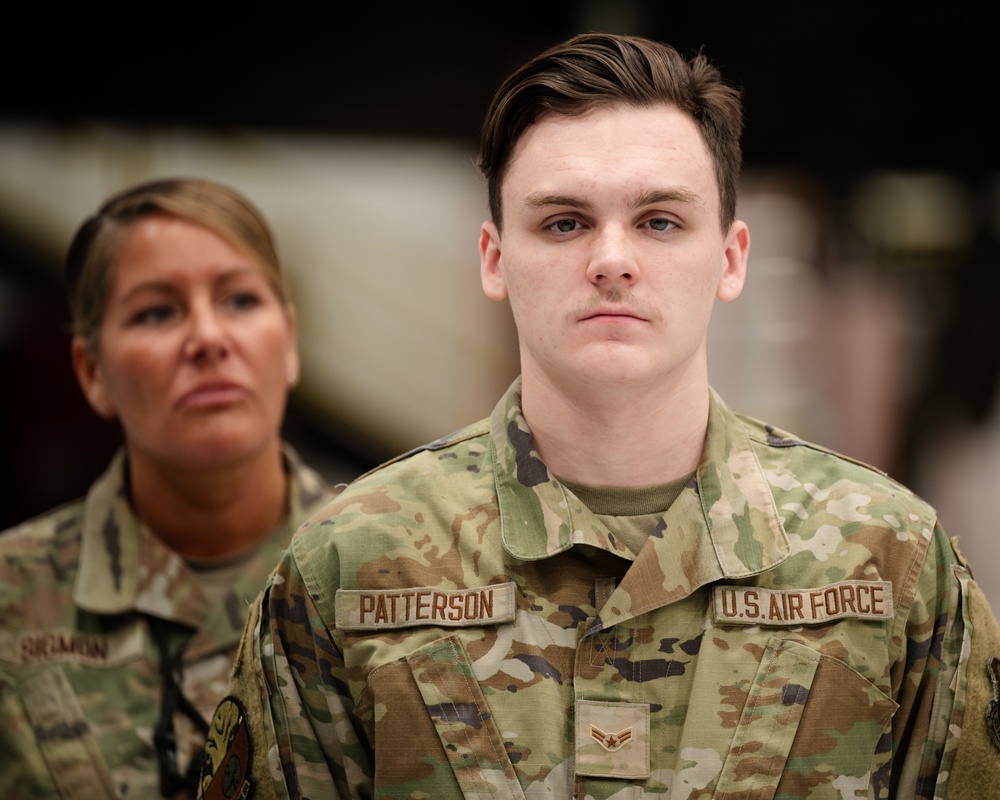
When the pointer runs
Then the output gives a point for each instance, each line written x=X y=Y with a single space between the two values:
x=378 y=609
x=755 y=605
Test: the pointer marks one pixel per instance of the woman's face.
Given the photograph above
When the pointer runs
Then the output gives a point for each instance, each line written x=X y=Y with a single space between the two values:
x=197 y=352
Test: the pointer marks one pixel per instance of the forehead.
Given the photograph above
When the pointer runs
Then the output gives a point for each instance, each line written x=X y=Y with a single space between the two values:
x=166 y=243
x=608 y=148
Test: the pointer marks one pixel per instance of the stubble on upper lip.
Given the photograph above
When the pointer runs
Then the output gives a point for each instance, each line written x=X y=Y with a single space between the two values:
x=615 y=304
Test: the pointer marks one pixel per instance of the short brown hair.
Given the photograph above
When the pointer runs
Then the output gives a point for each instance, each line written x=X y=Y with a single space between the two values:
x=94 y=248
x=595 y=69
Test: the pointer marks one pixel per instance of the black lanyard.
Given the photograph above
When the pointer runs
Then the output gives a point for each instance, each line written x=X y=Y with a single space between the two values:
x=173 y=700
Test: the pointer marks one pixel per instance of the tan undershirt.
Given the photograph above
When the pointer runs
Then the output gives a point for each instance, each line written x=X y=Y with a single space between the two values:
x=630 y=513
x=217 y=576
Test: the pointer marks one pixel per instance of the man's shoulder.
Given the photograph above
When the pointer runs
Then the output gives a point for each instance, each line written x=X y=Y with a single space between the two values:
x=798 y=468
x=472 y=439
x=436 y=464
x=445 y=471
x=798 y=451
x=402 y=509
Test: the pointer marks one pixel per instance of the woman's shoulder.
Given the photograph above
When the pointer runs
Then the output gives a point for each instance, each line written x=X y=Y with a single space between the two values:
x=38 y=566
x=52 y=529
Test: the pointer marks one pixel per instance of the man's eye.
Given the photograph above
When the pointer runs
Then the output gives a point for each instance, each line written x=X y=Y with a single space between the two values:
x=661 y=224
x=564 y=225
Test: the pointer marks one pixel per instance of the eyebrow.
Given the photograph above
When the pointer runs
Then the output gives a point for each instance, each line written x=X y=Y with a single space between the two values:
x=162 y=287
x=677 y=194
x=168 y=287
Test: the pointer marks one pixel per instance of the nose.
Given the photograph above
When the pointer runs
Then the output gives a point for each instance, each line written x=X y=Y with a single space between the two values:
x=612 y=260
x=207 y=339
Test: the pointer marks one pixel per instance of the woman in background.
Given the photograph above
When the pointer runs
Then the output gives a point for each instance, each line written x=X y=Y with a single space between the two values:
x=120 y=613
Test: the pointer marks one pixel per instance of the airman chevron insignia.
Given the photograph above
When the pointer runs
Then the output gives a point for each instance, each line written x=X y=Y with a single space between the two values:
x=611 y=741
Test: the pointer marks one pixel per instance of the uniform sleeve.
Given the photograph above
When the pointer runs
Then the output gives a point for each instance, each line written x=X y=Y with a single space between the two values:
x=941 y=730
x=300 y=733
x=977 y=742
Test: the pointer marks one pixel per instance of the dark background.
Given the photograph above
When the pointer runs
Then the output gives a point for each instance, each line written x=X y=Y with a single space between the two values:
x=837 y=87
x=832 y=90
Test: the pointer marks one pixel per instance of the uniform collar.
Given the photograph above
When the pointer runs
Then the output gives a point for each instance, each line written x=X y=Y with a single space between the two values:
x=724 y=524
x=125 y=568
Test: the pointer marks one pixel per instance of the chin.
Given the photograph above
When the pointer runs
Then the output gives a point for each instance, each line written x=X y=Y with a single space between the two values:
x=613 y=369
x=221 y=450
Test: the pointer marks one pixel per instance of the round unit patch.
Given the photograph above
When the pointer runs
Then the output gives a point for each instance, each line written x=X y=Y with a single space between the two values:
x=225 y=773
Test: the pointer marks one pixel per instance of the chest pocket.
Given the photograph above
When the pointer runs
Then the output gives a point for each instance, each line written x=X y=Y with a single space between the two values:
x=805 y=710
x=64 y=737
x=410 y=747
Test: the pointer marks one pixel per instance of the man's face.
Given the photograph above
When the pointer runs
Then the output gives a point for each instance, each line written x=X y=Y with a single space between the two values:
x=611 y=252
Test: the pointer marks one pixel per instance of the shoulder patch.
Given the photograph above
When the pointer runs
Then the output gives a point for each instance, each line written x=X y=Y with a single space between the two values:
x=756 y=605
x=225 y=773
x=382 y=609
x=993 y=707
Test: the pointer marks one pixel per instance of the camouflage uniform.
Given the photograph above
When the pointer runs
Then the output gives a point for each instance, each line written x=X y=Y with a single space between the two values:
x=80 y=679
x=458 y=624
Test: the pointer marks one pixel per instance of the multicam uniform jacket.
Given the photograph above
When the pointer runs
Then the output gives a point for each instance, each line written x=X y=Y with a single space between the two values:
x=457 y=624
x=80 y=679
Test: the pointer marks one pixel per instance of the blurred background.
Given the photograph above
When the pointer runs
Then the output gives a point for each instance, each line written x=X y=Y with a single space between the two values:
x=870 y=321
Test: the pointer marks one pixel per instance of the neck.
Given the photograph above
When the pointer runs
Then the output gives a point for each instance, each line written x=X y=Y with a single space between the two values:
x=212 y=512
x=618 y=436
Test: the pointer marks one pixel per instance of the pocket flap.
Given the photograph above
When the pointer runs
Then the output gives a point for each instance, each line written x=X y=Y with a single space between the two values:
x=829 y=711
x=463 y=721
x=65 y=738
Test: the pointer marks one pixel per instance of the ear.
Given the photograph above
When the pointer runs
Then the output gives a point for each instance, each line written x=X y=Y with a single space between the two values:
x=292 y=347
x=88 y=373
x=490 y=273
x=734 y=262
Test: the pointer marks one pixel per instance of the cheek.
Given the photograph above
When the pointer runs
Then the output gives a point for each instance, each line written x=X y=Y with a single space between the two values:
x=530 y=310
x=530 y=289
x=134 y=378
x=270 y=352
x=703 y=279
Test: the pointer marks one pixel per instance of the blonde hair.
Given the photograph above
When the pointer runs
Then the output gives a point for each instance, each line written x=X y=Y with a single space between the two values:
x=94 y=248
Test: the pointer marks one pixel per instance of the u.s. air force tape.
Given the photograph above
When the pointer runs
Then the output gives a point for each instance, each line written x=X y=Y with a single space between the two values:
x=380 y=609
x=754 y=605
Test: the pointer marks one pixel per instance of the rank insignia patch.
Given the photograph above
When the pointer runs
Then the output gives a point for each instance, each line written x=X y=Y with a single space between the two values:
x=993 y=707
x=611 y=741
x=225 y=774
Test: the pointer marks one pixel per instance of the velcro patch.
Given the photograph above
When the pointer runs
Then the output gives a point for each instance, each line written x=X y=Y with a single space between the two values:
x=382 y=609
x=66 y=645
x=225 y=772
x=993 y=706
x=755 y=605
x=612 y=739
